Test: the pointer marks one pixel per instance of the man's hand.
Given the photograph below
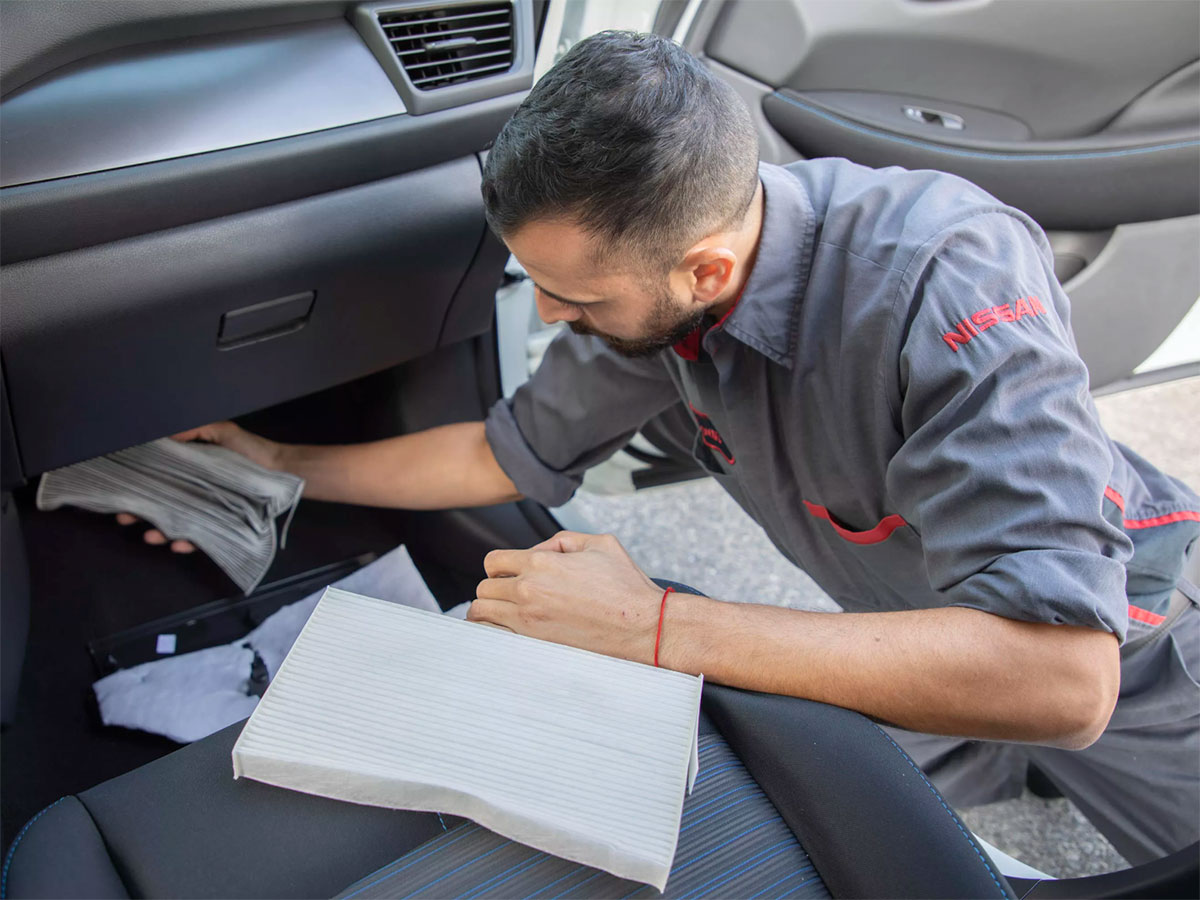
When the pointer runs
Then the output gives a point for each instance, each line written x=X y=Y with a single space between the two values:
x=225 y=434
x=577 y=589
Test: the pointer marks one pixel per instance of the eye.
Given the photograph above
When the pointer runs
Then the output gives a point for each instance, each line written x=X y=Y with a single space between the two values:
x=567 y=303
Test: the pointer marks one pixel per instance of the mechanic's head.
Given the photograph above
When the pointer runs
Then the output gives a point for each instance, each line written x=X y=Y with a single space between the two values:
x=623 y=185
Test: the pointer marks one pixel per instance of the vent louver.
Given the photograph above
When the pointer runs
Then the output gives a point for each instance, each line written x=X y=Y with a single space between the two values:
x=440 y=47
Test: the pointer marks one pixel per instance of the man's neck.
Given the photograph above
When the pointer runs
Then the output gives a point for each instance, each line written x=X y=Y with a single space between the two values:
x=746 y=248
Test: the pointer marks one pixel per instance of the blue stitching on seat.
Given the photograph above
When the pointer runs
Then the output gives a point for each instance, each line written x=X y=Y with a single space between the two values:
x=469 y=862
x=979 y=154
x=792 y=874
x=807 y=882
x=723 y=767
x=949 y=811
x=736 y=837
x=712 y=743
x=465 y=827
x=730 y=874
x=581 y=884
x=712 y=800
x=523 y=866
x=12 y=851
x=707 y=803
x=556 y=881
x=717 y=812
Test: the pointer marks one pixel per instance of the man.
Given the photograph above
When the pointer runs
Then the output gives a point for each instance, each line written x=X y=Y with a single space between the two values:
x=881 y=371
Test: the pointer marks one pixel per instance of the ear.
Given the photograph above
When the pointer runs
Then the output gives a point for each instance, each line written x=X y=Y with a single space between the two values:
x=708 y=269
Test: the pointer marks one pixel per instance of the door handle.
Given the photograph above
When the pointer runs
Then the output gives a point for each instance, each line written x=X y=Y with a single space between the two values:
x=934 y=117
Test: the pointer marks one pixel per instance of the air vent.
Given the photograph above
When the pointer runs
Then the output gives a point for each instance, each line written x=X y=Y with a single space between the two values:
x=457 y=44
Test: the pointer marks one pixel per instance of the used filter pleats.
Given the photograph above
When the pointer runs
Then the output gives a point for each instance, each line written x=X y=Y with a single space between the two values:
x=581 y=755
x=219 y=500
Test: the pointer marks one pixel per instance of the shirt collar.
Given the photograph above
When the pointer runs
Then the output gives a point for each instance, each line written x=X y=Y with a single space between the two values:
x=766 y=312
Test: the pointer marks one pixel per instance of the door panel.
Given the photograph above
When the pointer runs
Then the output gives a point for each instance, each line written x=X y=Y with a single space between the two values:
x=1083 y=113
x=1064 y=69
x=1091 y=182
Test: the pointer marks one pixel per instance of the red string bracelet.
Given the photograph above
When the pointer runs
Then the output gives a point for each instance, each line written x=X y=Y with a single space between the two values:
x=662 y=608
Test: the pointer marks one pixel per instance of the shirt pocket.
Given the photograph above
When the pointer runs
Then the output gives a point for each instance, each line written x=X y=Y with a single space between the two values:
x=882 y=565
x=877 y=534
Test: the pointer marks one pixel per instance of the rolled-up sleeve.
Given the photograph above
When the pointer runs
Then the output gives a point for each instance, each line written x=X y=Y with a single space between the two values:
x=1003 y=464
x=581 y=406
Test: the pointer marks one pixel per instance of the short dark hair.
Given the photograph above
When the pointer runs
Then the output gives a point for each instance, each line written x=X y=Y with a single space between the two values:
x=631 y=137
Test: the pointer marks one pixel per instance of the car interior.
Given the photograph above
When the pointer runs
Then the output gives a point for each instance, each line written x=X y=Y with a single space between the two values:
x=269 y=211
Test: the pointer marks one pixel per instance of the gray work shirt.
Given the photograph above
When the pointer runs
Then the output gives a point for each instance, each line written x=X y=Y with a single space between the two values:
x=896 y=398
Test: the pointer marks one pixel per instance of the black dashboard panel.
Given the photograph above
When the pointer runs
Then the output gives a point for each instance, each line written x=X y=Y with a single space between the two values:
x=117 y=344
x=36 y=38
x=199 y=226
x=179 y=98
x=71 y=213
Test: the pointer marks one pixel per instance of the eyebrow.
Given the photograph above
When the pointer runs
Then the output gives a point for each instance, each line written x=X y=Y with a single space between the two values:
x=564 y=300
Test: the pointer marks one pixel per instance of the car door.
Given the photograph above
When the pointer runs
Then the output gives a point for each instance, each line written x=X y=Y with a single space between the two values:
x=1083 y=113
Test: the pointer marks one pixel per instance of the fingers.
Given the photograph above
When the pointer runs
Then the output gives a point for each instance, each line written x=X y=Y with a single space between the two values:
x=504 y=589
x=503 y=563
x=156 y=538
x=492 y=612
x=125 y=519
x=211 y=433
x=501 y=627
x=574 y=541
x=565 y=542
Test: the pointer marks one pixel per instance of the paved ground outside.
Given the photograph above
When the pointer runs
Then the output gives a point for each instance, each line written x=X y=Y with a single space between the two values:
x=725 y=554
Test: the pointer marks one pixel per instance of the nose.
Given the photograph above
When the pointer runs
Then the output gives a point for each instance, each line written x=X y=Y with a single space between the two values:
x=551 y=311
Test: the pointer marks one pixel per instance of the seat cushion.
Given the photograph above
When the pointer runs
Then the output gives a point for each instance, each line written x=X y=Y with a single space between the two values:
x=732 y=843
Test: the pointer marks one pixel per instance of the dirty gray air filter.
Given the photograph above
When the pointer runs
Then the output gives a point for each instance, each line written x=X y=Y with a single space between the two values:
x=219 y=500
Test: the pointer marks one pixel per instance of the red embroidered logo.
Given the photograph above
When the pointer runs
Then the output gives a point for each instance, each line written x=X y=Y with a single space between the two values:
x=981 y=321
x=712 y=439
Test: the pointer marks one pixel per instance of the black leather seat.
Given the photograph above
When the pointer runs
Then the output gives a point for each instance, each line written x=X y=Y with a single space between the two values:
x=864 y=815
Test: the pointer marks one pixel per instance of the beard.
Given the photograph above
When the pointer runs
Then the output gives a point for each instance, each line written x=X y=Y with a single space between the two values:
x=665 y=326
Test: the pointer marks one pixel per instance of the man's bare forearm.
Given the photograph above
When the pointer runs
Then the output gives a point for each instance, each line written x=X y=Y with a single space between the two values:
x=440 y=468
x=950 y=671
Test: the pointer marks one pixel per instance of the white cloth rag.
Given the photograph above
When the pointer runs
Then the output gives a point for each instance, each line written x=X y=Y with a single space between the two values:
x=190 y=696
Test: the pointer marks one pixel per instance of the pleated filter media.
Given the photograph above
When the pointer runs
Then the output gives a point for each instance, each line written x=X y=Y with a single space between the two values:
x=578 y=754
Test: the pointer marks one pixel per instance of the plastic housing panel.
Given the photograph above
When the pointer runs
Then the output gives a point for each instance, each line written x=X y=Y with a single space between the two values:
x=117 y=344
x=1065 y=69
x=180 y=98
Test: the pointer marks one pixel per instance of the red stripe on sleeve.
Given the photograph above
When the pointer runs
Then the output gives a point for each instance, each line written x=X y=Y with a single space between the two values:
x=1144 y=615
x=1185 y=515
